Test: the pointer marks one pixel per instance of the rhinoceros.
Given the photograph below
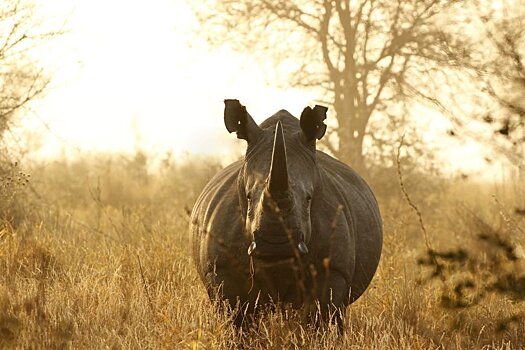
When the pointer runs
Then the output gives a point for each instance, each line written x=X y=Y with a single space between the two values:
x=287 y=223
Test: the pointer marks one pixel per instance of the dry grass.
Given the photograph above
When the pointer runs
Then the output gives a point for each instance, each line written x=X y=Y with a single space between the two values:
x=102 y=261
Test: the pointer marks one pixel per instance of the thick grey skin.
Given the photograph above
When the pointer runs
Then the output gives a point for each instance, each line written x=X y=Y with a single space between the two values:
x=344 y=245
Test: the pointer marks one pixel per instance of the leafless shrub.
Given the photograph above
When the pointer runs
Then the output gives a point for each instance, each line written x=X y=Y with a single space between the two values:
x=13 y=184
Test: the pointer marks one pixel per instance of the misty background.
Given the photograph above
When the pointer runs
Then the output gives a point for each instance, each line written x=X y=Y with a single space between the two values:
x=125 y=77
x=111 y=124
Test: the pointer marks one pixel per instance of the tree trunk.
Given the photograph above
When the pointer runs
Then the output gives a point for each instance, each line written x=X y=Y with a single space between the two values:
x=350 y=133
x=351 y=122
x=351 y=148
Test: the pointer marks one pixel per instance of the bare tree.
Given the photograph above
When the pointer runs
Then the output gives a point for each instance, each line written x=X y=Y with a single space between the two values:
x=368 y=57
x=496 y=60
x=21 y=78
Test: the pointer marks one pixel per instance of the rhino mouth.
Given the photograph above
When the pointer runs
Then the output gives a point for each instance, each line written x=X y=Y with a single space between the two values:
x=276 y=250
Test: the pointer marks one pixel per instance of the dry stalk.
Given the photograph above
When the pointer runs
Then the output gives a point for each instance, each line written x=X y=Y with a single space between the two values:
x=407 y=197
x=144 y=284
x=414 y=207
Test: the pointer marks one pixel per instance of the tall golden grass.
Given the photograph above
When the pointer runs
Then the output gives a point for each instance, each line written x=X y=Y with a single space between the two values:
x=94 y=253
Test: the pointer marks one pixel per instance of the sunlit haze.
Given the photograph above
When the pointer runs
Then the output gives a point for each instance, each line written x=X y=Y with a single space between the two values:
x=132 y=75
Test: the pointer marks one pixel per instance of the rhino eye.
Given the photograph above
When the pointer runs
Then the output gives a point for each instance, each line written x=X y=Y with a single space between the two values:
x=249 y=196
x=308 y=198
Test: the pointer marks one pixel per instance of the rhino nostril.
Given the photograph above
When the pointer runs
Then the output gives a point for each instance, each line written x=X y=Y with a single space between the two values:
x=251 y=248
x=303 y=249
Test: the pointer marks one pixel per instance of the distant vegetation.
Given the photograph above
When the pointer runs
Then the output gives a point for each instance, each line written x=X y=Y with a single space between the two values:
x=94 y=253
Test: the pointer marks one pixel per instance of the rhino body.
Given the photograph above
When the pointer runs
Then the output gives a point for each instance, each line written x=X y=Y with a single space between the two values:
x=288 y=223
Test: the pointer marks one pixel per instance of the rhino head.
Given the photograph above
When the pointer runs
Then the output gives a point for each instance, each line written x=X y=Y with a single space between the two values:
x=278 y=181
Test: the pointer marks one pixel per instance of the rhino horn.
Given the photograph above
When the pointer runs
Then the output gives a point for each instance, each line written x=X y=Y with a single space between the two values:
x=278 y=181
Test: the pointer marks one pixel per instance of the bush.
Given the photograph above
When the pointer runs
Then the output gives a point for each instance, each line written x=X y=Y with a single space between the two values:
x=13 y=195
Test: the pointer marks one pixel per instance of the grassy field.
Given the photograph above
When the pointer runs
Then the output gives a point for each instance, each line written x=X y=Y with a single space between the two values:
x=94 y=253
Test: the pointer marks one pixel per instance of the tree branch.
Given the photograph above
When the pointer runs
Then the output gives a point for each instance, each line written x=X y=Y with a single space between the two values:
x=324 y=37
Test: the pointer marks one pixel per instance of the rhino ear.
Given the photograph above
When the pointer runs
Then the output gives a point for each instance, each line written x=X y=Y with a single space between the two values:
x=237 y=119
x=312 y=122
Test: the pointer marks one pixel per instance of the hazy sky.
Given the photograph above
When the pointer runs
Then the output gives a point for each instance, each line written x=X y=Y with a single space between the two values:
x=131 y=73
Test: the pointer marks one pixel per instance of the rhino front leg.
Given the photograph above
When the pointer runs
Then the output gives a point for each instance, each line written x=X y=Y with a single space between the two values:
x=224 y=286
x=333 y=299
